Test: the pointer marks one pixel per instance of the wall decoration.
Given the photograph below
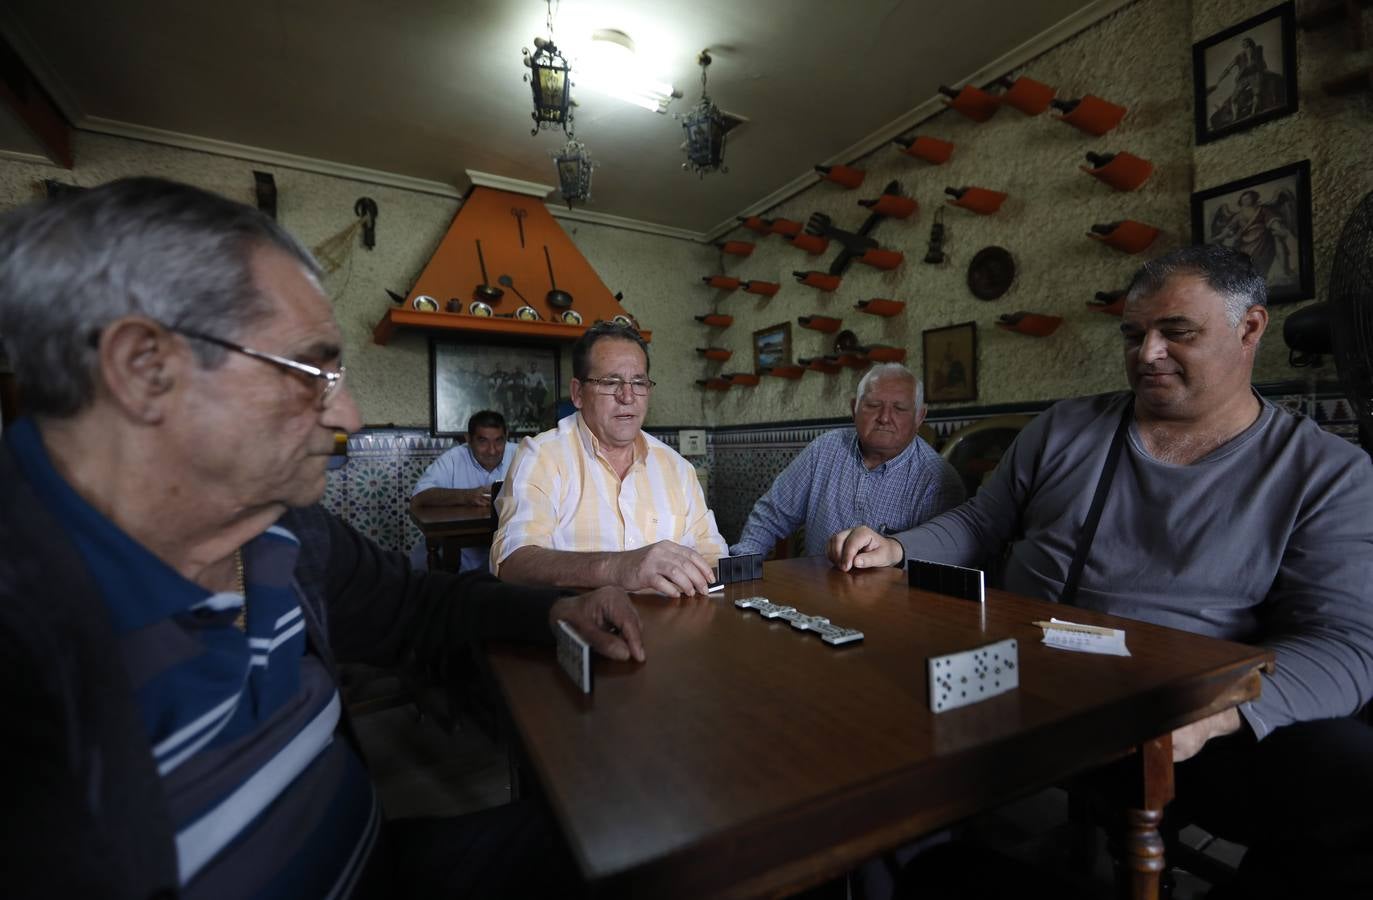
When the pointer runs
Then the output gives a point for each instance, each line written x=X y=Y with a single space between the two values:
x=772 y=347
x=1268 y=216
x=1246 y=74
x=950 y=359
x=991 y=272
x=518 y=381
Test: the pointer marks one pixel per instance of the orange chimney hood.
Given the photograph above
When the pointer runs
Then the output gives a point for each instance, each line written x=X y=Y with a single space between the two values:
x=514 y=228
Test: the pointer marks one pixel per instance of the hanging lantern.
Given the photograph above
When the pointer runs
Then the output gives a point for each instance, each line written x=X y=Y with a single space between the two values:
x=574 y=171
x=549 y=76
x=705 y=129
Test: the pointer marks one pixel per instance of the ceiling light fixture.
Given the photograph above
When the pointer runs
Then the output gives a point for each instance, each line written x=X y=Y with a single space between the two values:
x=549 y=76
x=705 y=129
x=574 y=171
x=610 y=65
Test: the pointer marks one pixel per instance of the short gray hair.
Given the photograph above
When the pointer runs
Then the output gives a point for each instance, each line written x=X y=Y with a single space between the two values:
x=1229 y=273
x=889 y=370
x=138 y=246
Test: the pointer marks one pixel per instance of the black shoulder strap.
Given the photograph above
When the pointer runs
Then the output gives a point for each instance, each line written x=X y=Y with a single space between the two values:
x=1103 y=487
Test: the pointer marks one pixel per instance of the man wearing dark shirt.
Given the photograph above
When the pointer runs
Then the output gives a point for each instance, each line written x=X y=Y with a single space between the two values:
x=173 y=604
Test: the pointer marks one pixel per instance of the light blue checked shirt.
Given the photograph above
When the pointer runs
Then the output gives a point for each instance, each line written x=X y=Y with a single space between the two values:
x=827 y=488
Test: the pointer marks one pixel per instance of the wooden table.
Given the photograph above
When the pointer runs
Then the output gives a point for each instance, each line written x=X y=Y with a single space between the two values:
x=747 y=758
x=451 y=528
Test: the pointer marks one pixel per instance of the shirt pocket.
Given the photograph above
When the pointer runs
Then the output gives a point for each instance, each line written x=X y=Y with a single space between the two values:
x=661 y=525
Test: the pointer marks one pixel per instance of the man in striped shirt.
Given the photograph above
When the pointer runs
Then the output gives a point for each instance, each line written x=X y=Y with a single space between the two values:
x=597 y=501
x=173 y=602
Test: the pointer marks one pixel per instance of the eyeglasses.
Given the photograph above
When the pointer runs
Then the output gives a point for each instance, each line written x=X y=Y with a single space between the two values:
x=332 y=380
x=608 y=387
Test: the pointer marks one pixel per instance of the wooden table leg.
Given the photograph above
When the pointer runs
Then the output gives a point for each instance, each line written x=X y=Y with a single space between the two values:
x=431 y=549
x=1143 y=845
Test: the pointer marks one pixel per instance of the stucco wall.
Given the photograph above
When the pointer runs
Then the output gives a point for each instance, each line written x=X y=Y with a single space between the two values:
x=1139 y=57
x=391 y=383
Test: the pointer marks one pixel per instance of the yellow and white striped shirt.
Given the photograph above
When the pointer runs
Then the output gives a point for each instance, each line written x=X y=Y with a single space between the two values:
x=561 y=494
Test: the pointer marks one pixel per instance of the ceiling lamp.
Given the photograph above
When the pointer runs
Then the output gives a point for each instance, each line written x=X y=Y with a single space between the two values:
x=574 y=171
x=705 y=129
x=549 y=76
x=611 y=66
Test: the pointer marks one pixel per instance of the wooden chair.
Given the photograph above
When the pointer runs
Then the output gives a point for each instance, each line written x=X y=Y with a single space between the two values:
x=975 y=450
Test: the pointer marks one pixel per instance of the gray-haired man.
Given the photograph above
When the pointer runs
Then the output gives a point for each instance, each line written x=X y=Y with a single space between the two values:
x=172 y=602
x=881 y=474
x=1225 y=516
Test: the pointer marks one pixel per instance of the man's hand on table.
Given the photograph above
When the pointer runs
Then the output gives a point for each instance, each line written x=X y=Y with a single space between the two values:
x=666 y=567
x=1189 y=739
x=479 y=497
x=605 y=619
x=863 y=548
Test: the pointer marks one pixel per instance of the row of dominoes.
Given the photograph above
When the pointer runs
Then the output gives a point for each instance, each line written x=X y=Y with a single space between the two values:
x=829 y=633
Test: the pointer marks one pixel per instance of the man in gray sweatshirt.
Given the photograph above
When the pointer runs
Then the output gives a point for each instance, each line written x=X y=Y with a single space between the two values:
x=1226 y=517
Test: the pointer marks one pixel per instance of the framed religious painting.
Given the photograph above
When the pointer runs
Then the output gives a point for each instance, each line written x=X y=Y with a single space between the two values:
x=518 y=381
x=950 y=356
x=772 y=347
x=1246 y=75
x=1267 y=216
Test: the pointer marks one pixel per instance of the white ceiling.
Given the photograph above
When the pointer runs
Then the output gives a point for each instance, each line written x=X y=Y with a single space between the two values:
x=427 y=89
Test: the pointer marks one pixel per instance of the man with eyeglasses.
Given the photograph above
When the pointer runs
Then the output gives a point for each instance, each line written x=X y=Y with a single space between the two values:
x=596 y=501
x=173 y=603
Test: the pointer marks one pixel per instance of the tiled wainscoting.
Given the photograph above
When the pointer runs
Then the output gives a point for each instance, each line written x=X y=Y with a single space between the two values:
x=372 y=490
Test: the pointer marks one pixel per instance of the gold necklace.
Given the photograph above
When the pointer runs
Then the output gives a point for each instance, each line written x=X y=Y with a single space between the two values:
x=241 y=620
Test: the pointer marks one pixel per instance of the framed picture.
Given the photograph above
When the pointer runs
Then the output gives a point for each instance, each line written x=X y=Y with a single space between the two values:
x=772 y=347
x=518 y=381
x=950 y=356
x=1268 y=216
x=1246 y=74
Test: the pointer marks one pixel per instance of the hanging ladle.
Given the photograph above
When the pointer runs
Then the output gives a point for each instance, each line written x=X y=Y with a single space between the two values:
x=556 y=298
x=485 y=292
x=509 y=282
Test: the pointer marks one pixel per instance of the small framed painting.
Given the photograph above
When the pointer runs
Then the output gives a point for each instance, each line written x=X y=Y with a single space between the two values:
x=1267 y=216
x=1246 y=75
x=950 y=359
x=772 y=347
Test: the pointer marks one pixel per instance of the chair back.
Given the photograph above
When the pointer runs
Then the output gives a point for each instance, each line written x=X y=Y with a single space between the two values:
x=975 y=449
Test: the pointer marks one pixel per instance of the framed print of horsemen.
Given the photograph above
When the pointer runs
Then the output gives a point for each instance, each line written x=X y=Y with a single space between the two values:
x=519 y=382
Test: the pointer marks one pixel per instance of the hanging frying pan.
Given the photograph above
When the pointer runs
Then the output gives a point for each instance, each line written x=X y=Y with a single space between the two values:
x=556 y=298
x=485 y=292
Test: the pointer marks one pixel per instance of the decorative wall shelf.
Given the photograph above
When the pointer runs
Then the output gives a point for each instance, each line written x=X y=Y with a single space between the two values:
x=747 y=378
x=1032 y=324
x=716 y=320
x=714 y=384
x=883 y=354
x=737 y=248
x=879 y=258
x=1122 y=171
x=844 y=176
x=1127 y=236
x=761 y=288
x=756 y=224
x=487 y=325
x=1090 y=114
x=853 y=359
x=718 y=354
x=893 y=206
x=786 y=227
x=820 y=280
x=825 y=365
x=931 y=150
x=972 y=102
x=722 y=282
x=1110 y=302
x=827 y=324
x=880 y=307
x=789 y=372
x=814 y=244
x=976 y=199
x=1027 y=95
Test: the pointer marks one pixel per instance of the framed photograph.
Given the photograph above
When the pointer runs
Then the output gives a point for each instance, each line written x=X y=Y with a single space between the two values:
x=772 y=347
x=518 y=381
x=1246 y=74
x=950 y=356
x=1268 y=216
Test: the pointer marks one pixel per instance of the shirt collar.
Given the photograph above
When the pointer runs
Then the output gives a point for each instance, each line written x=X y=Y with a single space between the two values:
x=899 y=459
x=593 y=446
